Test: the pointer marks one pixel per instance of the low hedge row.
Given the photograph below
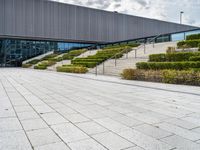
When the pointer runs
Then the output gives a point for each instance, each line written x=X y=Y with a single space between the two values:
x=169 y=57
x=72 y=69
x=33 y=62
x=193 y=37
x=40 y=67
x=194 y=58
x=26 y=65
x=188 y=44
x=50 y=56
x=87 y=64
x=168 y=65
x=187 y=77
x=44 y=64
x=74 y=53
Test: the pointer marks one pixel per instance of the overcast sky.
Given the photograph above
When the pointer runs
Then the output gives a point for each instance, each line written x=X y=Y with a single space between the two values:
x=168 y=10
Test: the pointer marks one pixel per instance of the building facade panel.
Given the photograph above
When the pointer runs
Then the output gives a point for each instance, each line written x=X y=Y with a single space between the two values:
x=57 y=21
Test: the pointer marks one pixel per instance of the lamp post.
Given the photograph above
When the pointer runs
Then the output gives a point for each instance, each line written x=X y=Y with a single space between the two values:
x=181 y=15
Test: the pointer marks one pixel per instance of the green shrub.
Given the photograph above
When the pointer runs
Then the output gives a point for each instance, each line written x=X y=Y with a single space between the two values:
x=167 y=65
x=199 y=47
x=86 y=64
x=171 y=50
x=157 y=58
x=178 y=56
x=40 y=67
x=47 y=63
x=188 y=77
x=74 y=53
x=128 y=74
x=188 y=44
x=193 y=37
x=26 y=65
x=194 y=58
x=33 y=62
x=49 y=57
x=72 y=69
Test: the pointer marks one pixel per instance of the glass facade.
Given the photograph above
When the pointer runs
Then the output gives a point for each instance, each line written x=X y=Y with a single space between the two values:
x=183 y=35
x=13 y=52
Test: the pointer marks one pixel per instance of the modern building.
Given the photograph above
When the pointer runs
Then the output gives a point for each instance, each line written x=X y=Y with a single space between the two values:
x=32 y=27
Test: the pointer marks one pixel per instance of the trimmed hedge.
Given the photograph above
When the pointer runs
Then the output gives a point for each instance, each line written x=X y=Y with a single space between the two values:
x=178 y=56
x=194 y=58
x=188 y=44
x=167 y=65
x=74 y=53
x=33 y=62
x=50 y=56
x=199 y=46
x=72 y=69
x=187 y=77
x=26 y=65
x=193 y=37
x=40 y=67
x=44 y=64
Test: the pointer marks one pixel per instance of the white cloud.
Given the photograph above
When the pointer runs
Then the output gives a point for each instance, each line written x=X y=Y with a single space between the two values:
x=167 y=10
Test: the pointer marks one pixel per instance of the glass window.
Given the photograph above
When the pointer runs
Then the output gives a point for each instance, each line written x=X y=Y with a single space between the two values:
x=178 y=37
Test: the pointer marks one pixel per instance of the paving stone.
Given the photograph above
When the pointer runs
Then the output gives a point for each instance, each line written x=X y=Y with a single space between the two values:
x=43 y=109
x=7 y=112
x=111 y=124
x=128 y=121
x=134 y=148
x=112 y=141
x=33 y=124
x=9 y=124
x=28 y=115
x=148 y=117
x=15 y=140
x=76 y=118
x=23 y=108
x=53 y=146
x=53 y=118
x=91 y=127
x=152 y=131
x=179 y=131
x=88 y=144
x=144 y=141
x=181 y=143
x=182 y=123
x=42 y=137
x=69 y=133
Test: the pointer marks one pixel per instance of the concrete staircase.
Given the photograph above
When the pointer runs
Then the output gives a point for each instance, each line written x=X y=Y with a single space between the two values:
x=68 y=62
x=129 y=60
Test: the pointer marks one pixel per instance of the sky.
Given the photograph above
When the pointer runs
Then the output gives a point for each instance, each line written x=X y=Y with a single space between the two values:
x=167 y=10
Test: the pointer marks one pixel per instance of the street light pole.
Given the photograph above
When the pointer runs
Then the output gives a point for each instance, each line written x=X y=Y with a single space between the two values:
x=181 y=15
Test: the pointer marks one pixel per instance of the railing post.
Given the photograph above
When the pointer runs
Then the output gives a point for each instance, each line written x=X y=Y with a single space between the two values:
x=135 y=53
x=103 y=68
x=115 y=61
x=153 y=45
x=144 y=48
x=96 y=70
x=126 y=53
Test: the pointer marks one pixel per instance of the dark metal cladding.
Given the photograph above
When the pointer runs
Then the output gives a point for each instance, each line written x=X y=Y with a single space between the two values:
x=42 y=19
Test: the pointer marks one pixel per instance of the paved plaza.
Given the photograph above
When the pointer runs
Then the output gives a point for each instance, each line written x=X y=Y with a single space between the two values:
x=41 y=110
